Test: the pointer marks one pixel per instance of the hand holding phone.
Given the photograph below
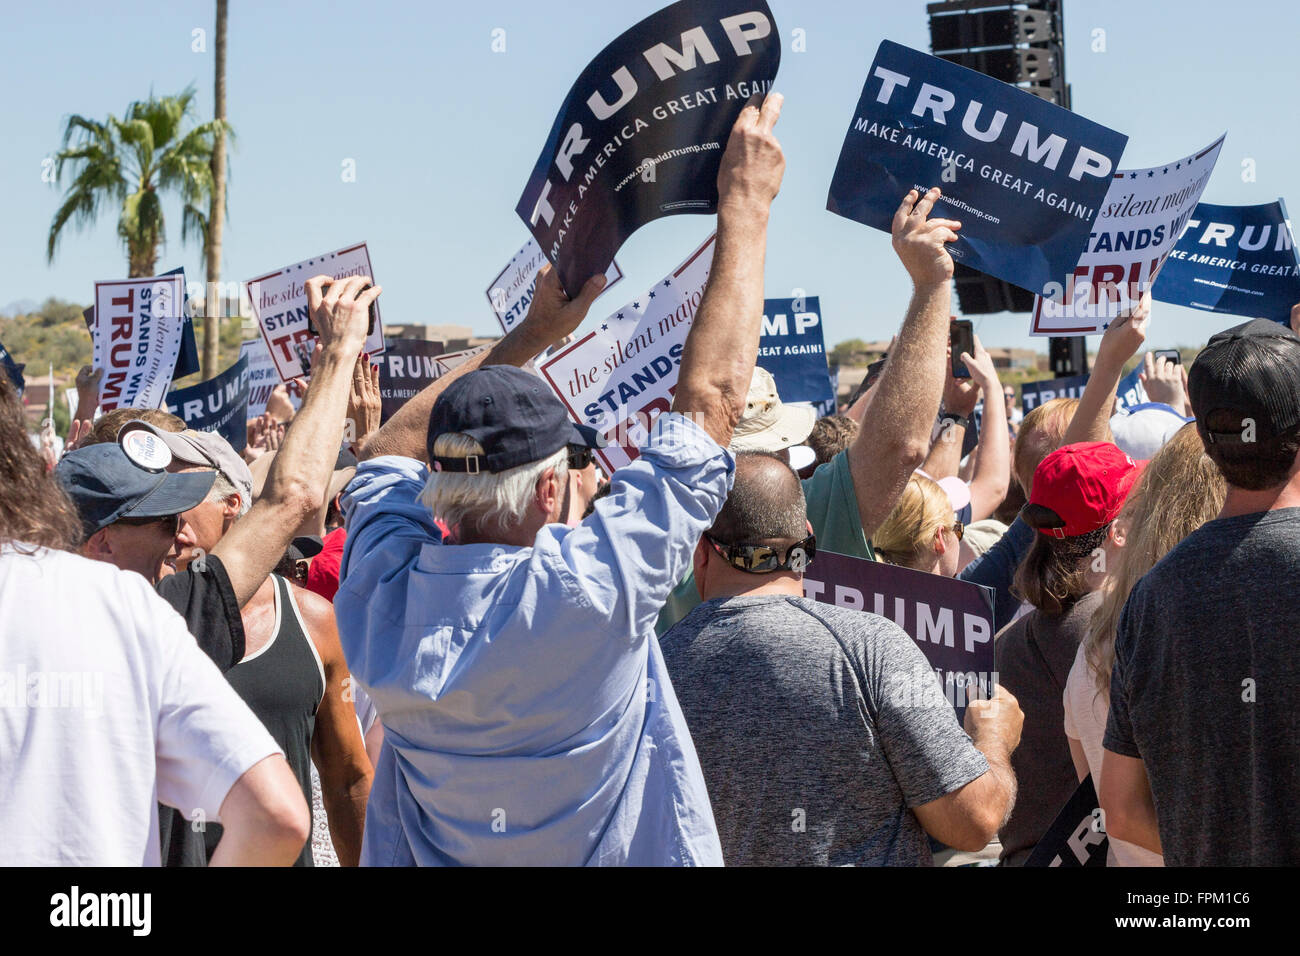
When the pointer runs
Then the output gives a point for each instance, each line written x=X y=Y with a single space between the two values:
x=370 y=328
x=961 y=339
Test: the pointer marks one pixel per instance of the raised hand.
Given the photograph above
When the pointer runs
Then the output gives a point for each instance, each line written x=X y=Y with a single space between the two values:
x=341 y=311
x=1125 y=334
x=753 y=164
x=922 y=243
x=1163 y=380
x=365 y=406
x=552 y=314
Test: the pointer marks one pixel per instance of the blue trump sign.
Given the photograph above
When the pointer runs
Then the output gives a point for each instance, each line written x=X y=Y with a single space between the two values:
x=641 y=133
x=1128 y=392
x=1240 y=260
x=1026 y=178
x=793 y=349
x=218 y=405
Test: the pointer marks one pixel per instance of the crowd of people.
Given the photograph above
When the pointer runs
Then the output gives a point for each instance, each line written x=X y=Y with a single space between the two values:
x=450 y=640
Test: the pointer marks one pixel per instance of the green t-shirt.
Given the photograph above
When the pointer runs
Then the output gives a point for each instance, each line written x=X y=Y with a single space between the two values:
x=833 y=511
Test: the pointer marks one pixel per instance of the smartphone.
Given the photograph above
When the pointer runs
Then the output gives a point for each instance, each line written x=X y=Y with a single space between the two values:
x=962 y=339
x=370 y=329
x=1170 y=355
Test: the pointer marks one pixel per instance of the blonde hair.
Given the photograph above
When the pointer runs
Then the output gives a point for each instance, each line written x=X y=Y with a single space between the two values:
x=1041 y=433
x=1179 y=491
x=907 y=536
x=485 y=501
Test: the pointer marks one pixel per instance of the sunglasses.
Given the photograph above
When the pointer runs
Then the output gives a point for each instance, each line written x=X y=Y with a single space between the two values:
x=173 y=521
x=580 y=456
x=760 y=559
x=958 y=529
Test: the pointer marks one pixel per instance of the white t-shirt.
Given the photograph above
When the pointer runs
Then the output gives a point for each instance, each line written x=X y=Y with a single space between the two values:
x=1085 y=721
x=107 y=706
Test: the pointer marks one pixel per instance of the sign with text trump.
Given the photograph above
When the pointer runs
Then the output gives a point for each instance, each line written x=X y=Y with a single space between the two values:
x=138 y=328
x=641 y=133
x=1026 y=178
x=280 y=305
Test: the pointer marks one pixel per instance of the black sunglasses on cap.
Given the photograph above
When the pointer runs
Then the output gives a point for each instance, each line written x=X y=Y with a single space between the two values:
x=761 y=559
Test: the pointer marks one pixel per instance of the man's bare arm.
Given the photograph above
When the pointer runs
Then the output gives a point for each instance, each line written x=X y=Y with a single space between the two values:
x=265 y=820
x=551 y=316
x=299 y=476
x=969 y=818
x=895 y=432
x=722 y=346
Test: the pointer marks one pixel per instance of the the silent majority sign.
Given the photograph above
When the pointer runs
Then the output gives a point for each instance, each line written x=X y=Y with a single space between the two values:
x=280 y=305
x=619 y=378
x=136 y=336
x=1026 y=178
x=511 y=292
x=1145 y=212
x=641 y=133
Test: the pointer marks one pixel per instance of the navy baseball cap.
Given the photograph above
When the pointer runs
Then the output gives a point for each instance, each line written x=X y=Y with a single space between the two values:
x=508 y=411
x=108 y=482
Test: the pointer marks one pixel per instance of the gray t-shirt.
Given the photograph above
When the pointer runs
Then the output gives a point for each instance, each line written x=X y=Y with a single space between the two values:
x=818 y=727
x=1207 y=659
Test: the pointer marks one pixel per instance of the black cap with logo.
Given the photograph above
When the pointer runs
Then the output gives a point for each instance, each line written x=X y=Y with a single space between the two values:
x=1252 y=371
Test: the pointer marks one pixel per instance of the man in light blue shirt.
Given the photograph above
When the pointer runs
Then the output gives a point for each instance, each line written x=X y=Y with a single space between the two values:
x=528 y=717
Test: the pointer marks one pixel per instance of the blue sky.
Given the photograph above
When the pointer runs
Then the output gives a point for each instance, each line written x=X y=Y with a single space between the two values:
x=444 y=131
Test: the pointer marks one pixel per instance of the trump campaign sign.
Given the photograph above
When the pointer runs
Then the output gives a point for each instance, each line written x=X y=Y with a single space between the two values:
x=406 y=369
x=950 y=620
x=793 y=349
x=621 y=377
x=218 y=405
x=511 y=292
x=136 y=336
x=1025 y=177
x=1239 y=260
x=641 y=133
x=280 y=306
x=1144 y=213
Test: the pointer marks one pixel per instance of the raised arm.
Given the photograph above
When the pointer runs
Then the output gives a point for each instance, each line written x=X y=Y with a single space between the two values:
x=722 y=346
x=896 y=425
x=1119 y=343
x=551 y=316
x=299 y=476
x=992 y=475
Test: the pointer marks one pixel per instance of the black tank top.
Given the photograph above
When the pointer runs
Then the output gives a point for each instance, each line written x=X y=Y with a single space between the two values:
x=283 y=683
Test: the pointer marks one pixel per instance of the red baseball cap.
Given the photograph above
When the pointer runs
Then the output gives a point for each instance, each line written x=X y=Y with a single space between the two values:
x=1086 y=484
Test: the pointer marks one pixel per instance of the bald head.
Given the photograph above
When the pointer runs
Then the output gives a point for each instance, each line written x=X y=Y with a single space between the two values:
x=766 y=503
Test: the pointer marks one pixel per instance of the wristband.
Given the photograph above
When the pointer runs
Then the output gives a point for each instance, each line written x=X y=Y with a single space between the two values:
x=956 y=419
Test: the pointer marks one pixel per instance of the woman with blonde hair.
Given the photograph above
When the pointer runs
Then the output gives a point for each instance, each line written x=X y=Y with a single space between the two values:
x=1179 y=491
x=922 y=532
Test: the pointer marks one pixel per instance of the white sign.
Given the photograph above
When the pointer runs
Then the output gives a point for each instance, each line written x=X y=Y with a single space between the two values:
x=621 y=377
x=279 y=302
x=1145 y=212
x=136 y=338
x=511 y=292
x=262 y=377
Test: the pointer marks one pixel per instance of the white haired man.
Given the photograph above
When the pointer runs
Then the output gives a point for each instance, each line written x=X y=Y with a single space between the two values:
x=528 y=718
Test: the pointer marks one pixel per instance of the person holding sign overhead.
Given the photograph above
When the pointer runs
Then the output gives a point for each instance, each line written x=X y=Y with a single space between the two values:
x=528 y=717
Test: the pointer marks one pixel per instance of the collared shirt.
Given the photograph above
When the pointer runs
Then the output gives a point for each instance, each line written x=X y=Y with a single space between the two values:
x=528 y=717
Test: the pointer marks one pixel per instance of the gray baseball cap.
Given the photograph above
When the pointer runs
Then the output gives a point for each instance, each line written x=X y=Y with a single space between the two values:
x=206 y=450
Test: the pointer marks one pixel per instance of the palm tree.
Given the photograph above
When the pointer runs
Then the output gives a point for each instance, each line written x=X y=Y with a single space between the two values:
x=131 y=161
x=217 y=207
